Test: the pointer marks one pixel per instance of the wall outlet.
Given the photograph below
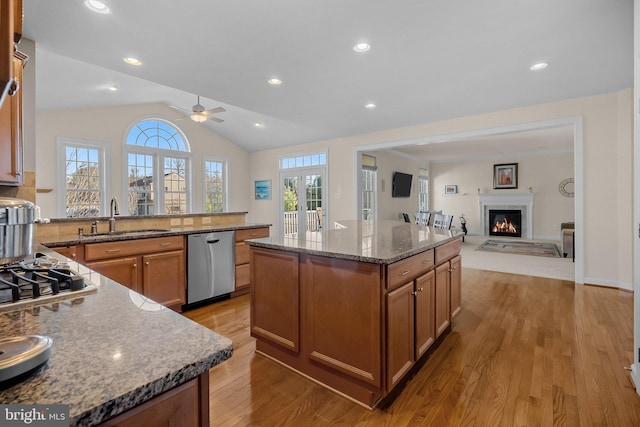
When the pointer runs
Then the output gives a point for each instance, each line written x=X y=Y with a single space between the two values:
x=175 y=221
x=206 y=220
x=188 y=221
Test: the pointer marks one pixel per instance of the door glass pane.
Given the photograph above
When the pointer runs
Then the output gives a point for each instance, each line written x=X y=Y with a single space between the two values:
x=313 y=217
x=290 y=201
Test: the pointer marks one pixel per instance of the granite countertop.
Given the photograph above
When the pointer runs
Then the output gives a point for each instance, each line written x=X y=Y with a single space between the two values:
x=380 y=242
x=74 y=239
x=112 y=350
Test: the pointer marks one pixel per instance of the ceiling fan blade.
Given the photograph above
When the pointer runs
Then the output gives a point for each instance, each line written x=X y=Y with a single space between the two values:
x=182 y=118
x=215 y=110
x=215 y=119
x=180 y=109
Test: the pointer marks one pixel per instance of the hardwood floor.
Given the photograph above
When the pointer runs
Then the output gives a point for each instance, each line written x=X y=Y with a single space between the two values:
x=523 y=351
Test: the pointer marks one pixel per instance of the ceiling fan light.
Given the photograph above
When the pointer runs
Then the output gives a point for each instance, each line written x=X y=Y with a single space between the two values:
x=199 y=118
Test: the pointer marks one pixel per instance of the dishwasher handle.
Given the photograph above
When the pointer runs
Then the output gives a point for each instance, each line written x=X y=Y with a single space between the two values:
x=212 y=241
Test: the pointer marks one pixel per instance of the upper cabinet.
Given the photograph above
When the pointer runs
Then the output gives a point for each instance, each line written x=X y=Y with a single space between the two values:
x=11 y=63
x=7 y=16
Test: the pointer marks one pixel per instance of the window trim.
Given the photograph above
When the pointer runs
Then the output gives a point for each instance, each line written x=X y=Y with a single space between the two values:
x=225 y=177
x=104 y=150
x=158 y=155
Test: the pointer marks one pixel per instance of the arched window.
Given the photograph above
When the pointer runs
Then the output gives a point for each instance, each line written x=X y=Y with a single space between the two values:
x=158 y=164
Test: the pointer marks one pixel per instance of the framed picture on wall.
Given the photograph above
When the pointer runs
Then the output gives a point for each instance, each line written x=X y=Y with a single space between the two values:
x=263 y=189
x=450 y=189
x=505 y=176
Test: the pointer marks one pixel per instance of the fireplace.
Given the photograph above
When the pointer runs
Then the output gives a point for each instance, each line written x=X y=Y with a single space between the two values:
x=522 y=202
x=505 y=222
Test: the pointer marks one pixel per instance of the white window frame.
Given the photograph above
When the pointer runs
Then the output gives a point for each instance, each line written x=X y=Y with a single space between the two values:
x=225 y=178
x=427 y=203
x=158 y=156
x=374 y=188
x=104 y=165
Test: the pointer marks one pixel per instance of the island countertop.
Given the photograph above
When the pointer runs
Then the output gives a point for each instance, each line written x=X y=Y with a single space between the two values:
x=379 y=242
x=112 y=350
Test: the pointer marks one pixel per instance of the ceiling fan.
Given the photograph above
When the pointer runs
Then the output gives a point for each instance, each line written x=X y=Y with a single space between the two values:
x=199 y=114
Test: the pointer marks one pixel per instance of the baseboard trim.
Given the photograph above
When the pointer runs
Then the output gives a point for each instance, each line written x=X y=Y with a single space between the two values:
x=608 y=284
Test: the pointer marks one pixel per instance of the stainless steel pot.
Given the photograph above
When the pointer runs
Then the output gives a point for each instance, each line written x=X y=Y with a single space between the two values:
x=16 y=229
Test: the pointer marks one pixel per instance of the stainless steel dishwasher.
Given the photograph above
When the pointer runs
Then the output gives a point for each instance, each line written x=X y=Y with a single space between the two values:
x=210 y=265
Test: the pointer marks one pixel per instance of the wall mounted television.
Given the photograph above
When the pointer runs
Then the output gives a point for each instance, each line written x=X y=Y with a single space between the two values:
x=401 y=184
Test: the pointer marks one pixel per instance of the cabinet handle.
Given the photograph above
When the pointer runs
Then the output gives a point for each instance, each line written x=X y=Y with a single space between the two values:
x=404 y=273
x=426 y=262
x=112 y=251
x=146 y=263
x=18 y=173
x=420 y=289
x=13 y=88
x=452 y=269
x=135 y=265
x=164 y=244
x=415 y=294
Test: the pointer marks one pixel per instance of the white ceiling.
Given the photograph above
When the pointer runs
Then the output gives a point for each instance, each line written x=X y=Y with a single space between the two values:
x=429 y=60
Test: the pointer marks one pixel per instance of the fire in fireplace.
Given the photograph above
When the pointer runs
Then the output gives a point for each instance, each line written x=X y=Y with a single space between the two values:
x=505 y=223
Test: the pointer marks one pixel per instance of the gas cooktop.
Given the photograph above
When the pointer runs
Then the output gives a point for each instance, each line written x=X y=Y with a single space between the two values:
x=39 y=279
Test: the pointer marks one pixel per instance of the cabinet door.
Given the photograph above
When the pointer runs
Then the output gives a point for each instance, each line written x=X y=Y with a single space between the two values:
x=122 y=270
x=400 y=344
x=275 y=304
x=342 y=316
x=425 y=326
x=443 y=307
x=163 y=278
x=11 y=132
x=456 y=285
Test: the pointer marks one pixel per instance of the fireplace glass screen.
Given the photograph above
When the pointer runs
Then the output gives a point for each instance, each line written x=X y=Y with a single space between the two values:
x=505 y=223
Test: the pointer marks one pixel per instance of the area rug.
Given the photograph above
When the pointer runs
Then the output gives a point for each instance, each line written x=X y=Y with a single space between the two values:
x=520 y=248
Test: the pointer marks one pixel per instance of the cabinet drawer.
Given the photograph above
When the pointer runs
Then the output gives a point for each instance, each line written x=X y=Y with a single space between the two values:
x=251 y=233
x=243 y=273
x=95 y=251
x=407 y=269
x=446 y=251
x=242 y=253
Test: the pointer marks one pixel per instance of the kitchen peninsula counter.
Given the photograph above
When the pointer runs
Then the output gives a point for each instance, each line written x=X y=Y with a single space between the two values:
x=112 y=351
x=355 y=308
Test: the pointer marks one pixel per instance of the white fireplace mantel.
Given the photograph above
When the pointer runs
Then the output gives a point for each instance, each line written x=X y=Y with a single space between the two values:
x=522 y=201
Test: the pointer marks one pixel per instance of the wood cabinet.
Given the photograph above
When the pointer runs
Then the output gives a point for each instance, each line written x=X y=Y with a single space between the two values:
x=185 y=405
x=455 y=284
x=354 y=326
x=11 y=172
x=67 y=251
x=410 y=324
x=242 y=272
x=154 y=267
x=8 y=22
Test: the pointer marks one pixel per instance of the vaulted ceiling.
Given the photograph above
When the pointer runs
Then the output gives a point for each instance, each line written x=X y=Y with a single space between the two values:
x=428 y=60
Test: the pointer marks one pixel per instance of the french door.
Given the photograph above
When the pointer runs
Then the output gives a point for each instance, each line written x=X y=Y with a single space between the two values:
x=302 y=200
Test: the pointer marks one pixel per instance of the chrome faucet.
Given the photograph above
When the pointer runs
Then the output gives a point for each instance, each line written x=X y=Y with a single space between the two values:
x=114 y=211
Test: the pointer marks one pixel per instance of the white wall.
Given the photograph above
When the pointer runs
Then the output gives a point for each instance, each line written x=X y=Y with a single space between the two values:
x=607 y=136
x=542 y=173
x=392 y=207
x=110 y=125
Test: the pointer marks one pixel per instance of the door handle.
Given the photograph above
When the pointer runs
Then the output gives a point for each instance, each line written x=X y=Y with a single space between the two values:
x=213 y=241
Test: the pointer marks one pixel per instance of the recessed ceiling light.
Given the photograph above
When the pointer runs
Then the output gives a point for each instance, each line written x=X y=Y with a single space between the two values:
x=112 y=88
x=258 y=124
x=538 y=66
x=370 y=106
x=97 y=6
x=274 y=81
x=132 y=61
x=362 y=47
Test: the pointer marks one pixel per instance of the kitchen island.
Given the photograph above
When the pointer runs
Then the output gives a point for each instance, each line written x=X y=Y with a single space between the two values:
x=116 y=356
x=357 y=307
